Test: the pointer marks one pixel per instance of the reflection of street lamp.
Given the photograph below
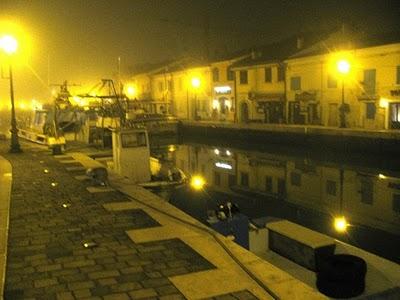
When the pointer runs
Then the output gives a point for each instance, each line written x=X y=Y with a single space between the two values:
x=343 y=67
x=197 y=182
x=340 y=224
x=10 y=45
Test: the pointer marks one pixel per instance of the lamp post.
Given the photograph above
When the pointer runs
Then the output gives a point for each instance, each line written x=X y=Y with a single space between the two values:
x=343 y=67
x=195 y=85
x=10 y=45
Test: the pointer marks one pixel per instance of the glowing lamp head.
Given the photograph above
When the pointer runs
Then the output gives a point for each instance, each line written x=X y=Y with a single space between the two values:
x=131 y=91
x=343 y=66
x=197 y=182
x=195 y=82
x=340 y=224
x=9 y=44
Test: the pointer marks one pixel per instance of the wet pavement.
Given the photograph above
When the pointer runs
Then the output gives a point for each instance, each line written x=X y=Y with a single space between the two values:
x=52 y=216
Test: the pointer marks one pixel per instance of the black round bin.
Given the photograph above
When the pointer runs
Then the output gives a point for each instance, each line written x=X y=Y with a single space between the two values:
x=342 y=276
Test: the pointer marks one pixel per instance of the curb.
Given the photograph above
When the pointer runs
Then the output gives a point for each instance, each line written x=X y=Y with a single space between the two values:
x=5 y=195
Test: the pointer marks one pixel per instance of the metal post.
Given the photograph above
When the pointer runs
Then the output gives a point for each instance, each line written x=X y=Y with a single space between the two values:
x=14 y=146
x=342 y=109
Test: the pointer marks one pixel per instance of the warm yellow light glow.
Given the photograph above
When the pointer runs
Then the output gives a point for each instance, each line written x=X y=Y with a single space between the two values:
x=215 y=104
x=131 y=91
x=36 y=105
x=340 y=224
x=8 y=44
x=216 y=151
x=171 y=148
x=381 y=176
x=196 y=82
x=384 y=103
x=228 y=152
x=22 y=105
x=197 y=182
x=343 y=66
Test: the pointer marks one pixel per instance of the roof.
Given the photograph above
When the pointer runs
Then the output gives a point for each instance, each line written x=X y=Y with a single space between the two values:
x=277 y=52
x=347 y=39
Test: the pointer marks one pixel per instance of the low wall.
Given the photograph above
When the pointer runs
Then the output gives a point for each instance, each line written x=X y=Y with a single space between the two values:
x=322 y=139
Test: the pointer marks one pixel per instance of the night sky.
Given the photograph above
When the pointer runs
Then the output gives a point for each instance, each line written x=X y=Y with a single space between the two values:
x=82 y=40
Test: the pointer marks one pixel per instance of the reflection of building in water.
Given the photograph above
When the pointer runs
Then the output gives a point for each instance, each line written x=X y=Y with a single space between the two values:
x=373 y=200
x=262 y=174
x=312 y=185
x=366 y=199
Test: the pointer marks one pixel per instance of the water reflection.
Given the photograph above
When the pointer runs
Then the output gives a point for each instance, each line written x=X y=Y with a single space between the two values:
x=300 y=189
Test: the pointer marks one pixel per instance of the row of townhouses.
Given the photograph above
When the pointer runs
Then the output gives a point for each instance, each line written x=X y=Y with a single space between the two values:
x=340 y=79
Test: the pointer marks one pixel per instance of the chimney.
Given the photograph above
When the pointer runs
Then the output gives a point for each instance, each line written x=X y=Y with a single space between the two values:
x=300 y=42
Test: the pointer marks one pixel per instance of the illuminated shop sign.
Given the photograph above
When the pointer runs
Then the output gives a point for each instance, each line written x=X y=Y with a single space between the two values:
x=226 y=89
x=223 y=165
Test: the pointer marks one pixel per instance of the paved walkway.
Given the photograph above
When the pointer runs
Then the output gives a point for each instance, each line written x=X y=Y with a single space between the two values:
x=133 y=251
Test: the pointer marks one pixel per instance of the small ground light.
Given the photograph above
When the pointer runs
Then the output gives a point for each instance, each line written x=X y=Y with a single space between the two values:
x=216 y=151
x=197 y=182
x=381 y=176
x=89 y=245
x=54 y=184
x=66 y=205
x=340 y=224
x=46 y=171
x=228 y=152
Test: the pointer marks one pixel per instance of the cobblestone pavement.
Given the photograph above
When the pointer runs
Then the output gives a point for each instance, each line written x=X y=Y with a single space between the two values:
x=52 y=215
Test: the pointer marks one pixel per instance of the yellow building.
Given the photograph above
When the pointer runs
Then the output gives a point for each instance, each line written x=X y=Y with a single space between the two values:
x=224 y=105
x=260 y=81
x=345 y=80
x=181 y=88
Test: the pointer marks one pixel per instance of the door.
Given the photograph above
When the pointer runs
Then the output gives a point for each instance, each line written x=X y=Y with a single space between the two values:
x=333 y=115
x=244 y=112
x=394 y=115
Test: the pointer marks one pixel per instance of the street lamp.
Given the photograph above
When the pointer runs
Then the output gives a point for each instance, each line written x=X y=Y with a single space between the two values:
x=10 y=45
x=343 y=67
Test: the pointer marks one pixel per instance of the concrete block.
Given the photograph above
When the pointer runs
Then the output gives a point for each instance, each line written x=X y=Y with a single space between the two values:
x=299 y=244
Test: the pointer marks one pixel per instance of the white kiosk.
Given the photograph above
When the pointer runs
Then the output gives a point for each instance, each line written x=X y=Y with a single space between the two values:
x=131 y=154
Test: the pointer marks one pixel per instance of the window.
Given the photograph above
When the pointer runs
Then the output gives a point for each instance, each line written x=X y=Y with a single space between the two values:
x=230 y=75
x=268 y=74
x=331 y=187
x=371 y=110
x=160 y=86
x=367 y=191
x=244 y=179
x=295 y=83
x=243 y=77
x=396 y=203
x=215 y=74
x=295 y=179
x=398 y=75
x=268 y=184
x=281 y=187
x=369 y=81
x=217 y=179
x=130 y=140
x=332 y=82
x=232 y=180
x=281 y=73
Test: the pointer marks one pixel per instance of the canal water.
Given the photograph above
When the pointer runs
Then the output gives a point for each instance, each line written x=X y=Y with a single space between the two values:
x=310 y=189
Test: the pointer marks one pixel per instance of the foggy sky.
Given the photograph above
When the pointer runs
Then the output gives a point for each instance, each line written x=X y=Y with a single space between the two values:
x=81 y=40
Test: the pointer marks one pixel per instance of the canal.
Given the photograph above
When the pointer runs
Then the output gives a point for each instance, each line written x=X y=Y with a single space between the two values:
x=308 y=188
